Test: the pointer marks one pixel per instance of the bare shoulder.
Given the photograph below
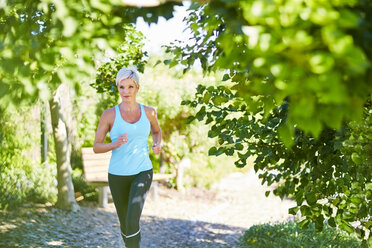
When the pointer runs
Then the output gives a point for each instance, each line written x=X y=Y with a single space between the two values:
x=108 y=115
x=150 y=112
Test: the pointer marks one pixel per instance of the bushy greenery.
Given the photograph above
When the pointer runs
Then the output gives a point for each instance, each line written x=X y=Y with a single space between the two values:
x=80 y=186
x=290 y=235
x=294 y=80
x=322 y=174
x=318 y=53
x=22 y=178
x=46 y=43
x=358 y=146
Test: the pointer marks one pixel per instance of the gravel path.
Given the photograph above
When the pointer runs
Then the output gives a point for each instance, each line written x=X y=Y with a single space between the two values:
x=196 y=218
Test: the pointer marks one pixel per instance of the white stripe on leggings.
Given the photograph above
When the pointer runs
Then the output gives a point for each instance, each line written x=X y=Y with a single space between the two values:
x=132 y=235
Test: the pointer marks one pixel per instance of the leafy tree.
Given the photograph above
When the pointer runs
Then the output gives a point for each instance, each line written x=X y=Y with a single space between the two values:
x=46 y=44
x=296 y=74
x=316 y=53
x=328 y=176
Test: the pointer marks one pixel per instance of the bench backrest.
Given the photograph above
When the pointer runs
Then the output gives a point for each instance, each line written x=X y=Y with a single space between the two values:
x=95 y=165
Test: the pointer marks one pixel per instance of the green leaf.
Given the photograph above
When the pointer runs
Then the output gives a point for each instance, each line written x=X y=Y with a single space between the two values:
x=222 y=150
x=3 y=89
x=209 y=120
x=229 y=152
x=212 y=151
x=225 y=77
x=206 y=97
x=104 y=7
x=348 y=19
x=304 y=224
x=218 y=100
x=239 y=147
x=173 y=63
x=332 y=119
x=337 y=145
x=319 y=223
x=201 y=88
x=293 y=210
x=212 y=133
x=201 y=114
x=346 y=226
x=368 y=186
x=310 y=198
x=356 y=158
x=190 y=119
x=331 y=222
x=321 y=62
x=157 y=62
x=305 y=210
x=185 y=102
x=286 y=135
x=357 y=61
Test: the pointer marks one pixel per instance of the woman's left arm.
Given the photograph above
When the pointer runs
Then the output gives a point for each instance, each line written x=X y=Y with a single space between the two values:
x=155 y=129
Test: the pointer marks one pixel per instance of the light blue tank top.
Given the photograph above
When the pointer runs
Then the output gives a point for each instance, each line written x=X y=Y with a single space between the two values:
x=133 y=157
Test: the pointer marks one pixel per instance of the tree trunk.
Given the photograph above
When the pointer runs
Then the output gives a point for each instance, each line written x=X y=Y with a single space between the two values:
x=75 y=144
x=161 y=162
x=66 y=198
x=44 y=136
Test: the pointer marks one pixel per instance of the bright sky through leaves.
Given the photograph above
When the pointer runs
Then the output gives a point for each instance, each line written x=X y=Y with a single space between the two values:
x=164 y=32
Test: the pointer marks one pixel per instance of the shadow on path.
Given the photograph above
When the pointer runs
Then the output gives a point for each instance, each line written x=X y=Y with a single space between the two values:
x=186 y=233
x=40 y=226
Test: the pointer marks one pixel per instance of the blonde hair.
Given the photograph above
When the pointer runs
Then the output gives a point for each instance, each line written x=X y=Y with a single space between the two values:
x=130 y=72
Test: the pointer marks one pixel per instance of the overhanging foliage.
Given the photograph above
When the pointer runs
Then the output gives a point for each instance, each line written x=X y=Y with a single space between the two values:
x=317 y=53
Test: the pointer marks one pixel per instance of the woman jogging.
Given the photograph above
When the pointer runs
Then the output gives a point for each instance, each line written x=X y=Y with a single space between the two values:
x=130 y=170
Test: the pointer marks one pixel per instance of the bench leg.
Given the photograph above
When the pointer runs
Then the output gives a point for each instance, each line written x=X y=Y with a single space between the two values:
x=103 y=196
x=154 y=187
x=179 y=178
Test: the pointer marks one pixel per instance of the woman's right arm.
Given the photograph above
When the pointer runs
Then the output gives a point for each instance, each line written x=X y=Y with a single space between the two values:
x=102 y=129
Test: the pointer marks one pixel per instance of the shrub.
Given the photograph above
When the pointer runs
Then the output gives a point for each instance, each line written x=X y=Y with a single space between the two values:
x=80 y=185
x=22 y=179
x=290 y=235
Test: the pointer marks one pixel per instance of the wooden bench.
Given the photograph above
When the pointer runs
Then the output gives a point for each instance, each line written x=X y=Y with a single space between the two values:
x=95 y=167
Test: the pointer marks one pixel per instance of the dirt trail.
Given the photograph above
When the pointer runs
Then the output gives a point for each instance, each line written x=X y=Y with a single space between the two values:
x=196 y=218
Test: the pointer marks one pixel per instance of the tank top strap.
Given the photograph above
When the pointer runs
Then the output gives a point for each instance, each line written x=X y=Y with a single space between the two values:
x=117 y=112
x=142 y=109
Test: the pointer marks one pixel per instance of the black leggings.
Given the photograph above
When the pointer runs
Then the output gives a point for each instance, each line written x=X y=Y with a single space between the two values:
x=129 y=194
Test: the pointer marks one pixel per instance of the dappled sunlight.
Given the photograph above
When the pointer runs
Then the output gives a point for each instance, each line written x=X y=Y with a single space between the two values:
x=238 y=200
x=6 y=227
x=196 y=218
x=285 y=83
x=186 y=233
x=40 y=226
x=55 y=243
